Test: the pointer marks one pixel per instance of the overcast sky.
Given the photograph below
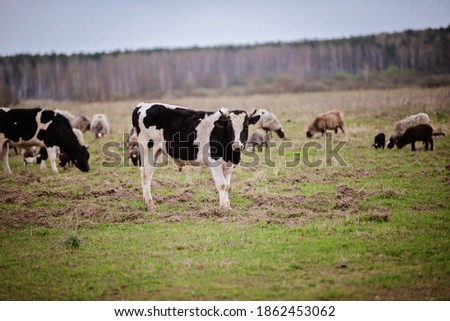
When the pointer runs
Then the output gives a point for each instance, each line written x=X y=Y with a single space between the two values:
x=66 y=26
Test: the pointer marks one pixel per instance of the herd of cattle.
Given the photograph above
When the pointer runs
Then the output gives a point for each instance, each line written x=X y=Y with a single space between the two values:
x=215 y=139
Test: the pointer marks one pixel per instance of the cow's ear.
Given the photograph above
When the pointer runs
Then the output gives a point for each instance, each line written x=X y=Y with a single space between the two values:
x=253 y=120
x=252 y=114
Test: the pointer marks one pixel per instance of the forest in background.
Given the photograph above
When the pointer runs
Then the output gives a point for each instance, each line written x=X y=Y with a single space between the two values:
x=409 y=58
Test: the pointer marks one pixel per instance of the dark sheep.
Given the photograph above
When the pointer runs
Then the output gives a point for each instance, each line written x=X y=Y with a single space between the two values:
x=408 y=122
x=419 y=133
x=380 y=141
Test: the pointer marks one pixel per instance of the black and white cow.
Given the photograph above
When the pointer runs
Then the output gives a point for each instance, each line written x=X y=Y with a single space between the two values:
x=40 y=127
x=214 y=139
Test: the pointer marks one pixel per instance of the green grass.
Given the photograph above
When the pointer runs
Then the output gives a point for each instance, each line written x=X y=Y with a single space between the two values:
x=375 y=230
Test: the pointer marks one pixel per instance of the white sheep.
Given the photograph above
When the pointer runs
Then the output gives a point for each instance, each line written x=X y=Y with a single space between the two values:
x=269 y=122
x=79 y=121
x=100 y=125
x=258 y=139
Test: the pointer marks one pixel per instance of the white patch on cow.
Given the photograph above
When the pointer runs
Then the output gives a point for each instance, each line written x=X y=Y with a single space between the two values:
x=237 y=121
x=204 y=129
x=6 y=109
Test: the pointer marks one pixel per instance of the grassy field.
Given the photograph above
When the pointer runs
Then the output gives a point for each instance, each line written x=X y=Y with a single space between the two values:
x=376 y=229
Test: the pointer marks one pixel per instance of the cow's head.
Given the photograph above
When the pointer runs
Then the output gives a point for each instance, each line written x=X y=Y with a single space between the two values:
x=238 y=122
x=81 y=158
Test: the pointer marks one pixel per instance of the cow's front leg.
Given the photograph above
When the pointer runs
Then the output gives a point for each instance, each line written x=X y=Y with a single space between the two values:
x=227 y=169
x=149 y=159
x=221 y=185
x=52 y=155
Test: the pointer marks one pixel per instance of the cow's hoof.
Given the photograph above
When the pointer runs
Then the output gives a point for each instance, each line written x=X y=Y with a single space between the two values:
x=150 y=206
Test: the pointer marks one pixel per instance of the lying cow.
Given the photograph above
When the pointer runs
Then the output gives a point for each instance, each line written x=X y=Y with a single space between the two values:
x=39 y=127
x=214 y=139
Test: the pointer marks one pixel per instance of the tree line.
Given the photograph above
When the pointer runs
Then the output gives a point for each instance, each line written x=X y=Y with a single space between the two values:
x=282 y=66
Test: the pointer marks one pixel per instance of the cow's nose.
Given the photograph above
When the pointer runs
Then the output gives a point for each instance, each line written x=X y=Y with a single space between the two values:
x=237 y=146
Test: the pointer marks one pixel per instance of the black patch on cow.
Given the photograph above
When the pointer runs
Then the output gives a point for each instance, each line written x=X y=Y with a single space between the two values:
x=41 y=136
x=18 y=124
x=46 y=116
x=150 y=143
x=42 y=155
x=135 y=120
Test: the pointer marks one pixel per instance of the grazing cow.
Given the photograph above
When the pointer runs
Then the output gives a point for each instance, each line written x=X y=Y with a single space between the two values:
x=419 y=133
x=380 y=141
x=100 y=125
x=40 y=127
x=330 y=120
x=214 y=139
x=64 y=158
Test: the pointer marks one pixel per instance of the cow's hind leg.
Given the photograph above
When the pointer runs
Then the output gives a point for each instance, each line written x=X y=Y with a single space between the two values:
x=149 y=158
x=221 y=184
x=4 y=152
